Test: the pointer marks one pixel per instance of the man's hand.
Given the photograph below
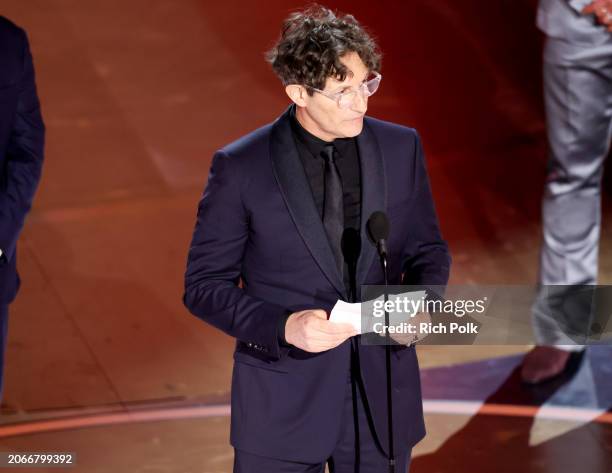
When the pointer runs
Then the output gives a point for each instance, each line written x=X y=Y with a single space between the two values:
x=602 y=9
x=310 y=331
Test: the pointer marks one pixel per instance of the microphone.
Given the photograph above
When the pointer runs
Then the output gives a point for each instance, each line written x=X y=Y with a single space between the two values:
x=378 y=231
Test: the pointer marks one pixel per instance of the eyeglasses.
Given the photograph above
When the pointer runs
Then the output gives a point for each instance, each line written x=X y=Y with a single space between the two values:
x=346 y=99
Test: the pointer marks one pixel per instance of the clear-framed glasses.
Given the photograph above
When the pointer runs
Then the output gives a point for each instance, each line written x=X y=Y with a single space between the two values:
x=345 y=99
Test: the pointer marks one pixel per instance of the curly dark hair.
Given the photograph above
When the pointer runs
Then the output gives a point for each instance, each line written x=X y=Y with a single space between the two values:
x=311 y=45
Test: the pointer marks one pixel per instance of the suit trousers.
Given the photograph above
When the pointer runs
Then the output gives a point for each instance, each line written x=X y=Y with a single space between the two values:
x=356 y=451
x=578 y=104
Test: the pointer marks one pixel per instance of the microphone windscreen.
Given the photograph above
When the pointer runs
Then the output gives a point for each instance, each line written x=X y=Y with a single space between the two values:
x=378 y=226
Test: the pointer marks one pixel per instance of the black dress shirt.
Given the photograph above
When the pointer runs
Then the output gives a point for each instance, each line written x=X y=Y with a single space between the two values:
x=310 y=148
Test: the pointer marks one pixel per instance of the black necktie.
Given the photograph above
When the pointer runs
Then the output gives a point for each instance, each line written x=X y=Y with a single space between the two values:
x=333 y=206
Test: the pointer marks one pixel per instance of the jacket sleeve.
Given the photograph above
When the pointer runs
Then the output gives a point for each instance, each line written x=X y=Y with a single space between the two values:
x=214 y=266
x=427 y=261
x=24 y=157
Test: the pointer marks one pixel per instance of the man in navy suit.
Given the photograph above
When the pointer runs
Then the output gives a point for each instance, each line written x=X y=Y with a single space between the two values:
x=305 y=390
x=22 y=137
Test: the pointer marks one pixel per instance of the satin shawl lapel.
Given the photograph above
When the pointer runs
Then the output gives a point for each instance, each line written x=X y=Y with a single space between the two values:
x=373 y=194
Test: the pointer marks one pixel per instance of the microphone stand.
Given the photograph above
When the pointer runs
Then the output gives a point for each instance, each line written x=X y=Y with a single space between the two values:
x=383 y=262
x=351 y=248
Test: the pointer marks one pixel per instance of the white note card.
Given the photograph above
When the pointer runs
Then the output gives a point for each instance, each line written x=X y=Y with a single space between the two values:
x=345 y=312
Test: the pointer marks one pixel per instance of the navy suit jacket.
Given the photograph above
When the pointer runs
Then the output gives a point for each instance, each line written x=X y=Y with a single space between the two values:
x=257 y=222
x=22 y=136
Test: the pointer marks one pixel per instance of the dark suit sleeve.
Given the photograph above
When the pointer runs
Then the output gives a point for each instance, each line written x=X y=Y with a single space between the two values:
x=214 y=266
x=24 y=157
x=427 y=261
